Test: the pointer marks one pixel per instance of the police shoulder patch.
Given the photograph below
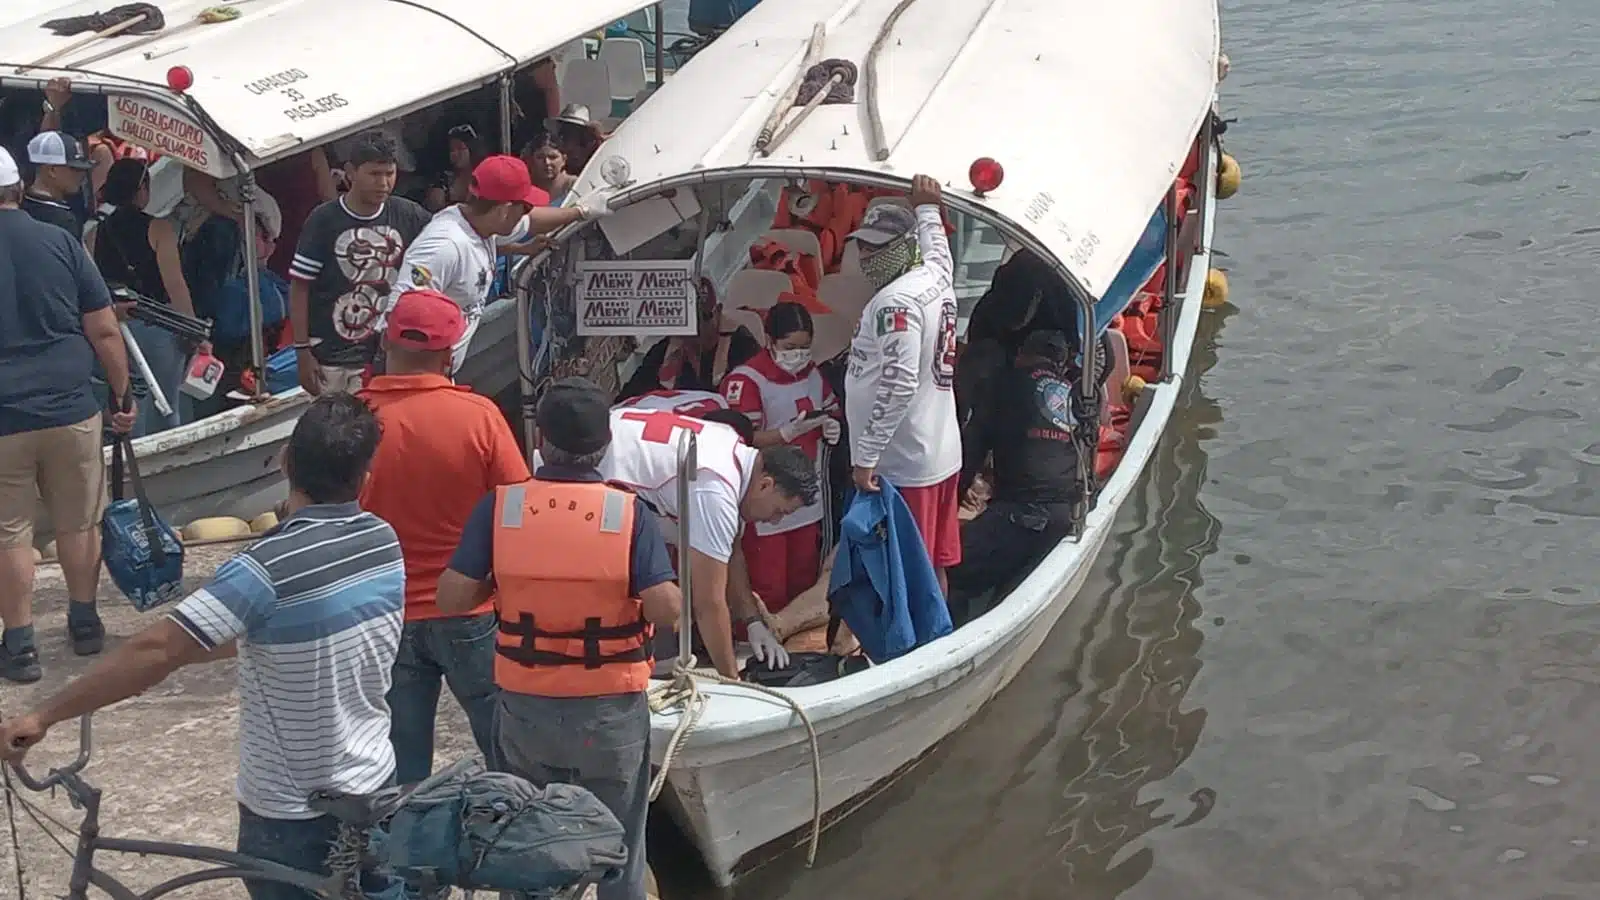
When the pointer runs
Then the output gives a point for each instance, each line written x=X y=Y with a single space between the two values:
x=420 y=276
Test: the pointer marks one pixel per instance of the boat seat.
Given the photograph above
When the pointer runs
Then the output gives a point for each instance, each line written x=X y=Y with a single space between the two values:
x=586 y=81
x=623 y=58
x=753 y=289
x=799 y=240
x=850 y=259
x=847 y=295
x=574 y=49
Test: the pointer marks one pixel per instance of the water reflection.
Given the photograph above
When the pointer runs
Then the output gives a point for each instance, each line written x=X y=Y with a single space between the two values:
x=1053 y=789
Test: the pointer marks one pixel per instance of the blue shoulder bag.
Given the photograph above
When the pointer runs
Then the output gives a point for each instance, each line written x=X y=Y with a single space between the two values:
x=142 y=553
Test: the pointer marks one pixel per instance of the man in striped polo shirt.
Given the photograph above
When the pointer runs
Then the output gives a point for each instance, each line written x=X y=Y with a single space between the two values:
x=313 y=611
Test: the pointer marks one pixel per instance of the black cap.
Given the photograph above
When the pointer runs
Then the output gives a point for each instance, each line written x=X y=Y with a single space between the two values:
x=575 y=416
x=1050 y=346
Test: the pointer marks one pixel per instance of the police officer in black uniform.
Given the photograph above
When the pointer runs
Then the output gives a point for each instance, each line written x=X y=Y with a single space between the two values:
x=1027 y=421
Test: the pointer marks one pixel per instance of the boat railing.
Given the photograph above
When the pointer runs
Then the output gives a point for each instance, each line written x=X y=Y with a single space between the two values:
x=688 y=465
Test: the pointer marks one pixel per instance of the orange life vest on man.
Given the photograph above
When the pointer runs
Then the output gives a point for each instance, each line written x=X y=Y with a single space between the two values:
x=568 y=628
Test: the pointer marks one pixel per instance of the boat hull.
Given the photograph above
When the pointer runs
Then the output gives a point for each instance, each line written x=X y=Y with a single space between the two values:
x=227 y=464
x=737 y=799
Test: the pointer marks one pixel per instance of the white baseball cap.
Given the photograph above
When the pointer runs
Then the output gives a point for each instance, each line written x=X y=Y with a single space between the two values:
x=52 y=148
x=9 y=174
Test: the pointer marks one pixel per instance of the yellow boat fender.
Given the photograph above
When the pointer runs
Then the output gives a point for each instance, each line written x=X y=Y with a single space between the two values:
x=264 y=522
x=1132 y=388
x=1229 y=177
x=216 y=528
x=1216 y=295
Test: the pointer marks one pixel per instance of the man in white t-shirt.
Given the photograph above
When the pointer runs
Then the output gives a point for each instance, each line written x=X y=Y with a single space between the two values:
x=457 y=251
x=899 y=397
x=735 y=483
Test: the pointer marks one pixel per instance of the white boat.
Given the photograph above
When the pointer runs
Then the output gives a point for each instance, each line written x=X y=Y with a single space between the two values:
x=271 y=84
x=1092 y=109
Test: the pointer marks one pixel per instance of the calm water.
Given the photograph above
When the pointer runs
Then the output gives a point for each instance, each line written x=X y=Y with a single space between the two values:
x=1344 y=643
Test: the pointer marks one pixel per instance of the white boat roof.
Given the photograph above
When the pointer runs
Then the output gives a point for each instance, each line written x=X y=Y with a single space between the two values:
x=1090 y=106
x=296 y=73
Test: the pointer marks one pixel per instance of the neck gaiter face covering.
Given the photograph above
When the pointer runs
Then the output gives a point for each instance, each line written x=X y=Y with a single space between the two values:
x=884 y=264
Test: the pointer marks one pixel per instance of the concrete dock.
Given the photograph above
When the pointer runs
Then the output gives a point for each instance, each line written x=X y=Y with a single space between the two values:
x=165 y=760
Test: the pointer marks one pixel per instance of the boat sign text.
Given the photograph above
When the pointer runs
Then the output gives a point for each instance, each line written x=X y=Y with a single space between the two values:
x=642 y=298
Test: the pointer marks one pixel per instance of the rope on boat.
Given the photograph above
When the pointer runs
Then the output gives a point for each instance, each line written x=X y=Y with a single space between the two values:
x=879 y=144
x=683 y=693
x=812 y=56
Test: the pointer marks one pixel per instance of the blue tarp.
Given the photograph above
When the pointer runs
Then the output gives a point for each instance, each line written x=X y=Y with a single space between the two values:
x=1147 y=256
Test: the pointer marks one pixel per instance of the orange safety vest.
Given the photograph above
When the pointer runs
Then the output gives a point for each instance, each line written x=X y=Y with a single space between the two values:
x=568 y=628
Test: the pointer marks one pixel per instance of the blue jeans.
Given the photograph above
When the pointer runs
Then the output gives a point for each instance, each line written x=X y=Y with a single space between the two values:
x=458 y=650
x=301 y=844
x=167 y=358
x=599 y=743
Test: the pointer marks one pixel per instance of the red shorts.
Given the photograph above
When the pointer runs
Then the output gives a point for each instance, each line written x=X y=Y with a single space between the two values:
x=783 y=565
x=937 y=510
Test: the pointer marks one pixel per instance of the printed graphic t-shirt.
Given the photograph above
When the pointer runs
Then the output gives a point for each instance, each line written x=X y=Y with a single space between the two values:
x=352 y=262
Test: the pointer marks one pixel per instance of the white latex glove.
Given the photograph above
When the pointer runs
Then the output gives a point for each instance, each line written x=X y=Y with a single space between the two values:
x=594 y=206
x=831 y=430
x=799 y=425
x=766 y=645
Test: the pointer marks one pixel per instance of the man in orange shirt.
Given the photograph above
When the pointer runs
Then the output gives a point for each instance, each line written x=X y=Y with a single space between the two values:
x=443 y=449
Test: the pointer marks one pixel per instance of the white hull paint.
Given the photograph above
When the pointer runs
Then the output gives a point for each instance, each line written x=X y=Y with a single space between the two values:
x=744 y=780
x=227 y=464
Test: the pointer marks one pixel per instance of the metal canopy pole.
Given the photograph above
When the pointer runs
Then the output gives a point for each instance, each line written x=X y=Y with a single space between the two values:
x=688 y=465
x=506 y=103
x=258 y=352
x=1169 y=292
x=661 y=38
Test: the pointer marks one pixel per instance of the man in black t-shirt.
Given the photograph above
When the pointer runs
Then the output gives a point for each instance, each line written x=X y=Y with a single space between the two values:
x=1026 y=421
x=346 y=262
x=62 y=165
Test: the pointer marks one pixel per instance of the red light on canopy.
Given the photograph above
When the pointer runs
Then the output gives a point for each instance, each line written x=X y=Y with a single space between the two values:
x=985 y=175
x=180 y=79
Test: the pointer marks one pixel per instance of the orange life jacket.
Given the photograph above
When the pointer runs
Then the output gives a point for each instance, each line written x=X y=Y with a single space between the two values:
x=120 y=149
x=568 y=628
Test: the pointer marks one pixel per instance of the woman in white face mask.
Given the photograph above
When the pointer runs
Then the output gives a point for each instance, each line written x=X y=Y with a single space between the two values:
x=789 y=402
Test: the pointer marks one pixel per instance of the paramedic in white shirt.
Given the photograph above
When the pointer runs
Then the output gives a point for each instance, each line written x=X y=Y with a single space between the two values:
x=455 y=254
x=694 y=404
x=735 y=483
x=899 y=399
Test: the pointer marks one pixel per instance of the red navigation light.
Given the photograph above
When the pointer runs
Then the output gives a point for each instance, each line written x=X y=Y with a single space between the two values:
x=986 y=175
x=180 y=79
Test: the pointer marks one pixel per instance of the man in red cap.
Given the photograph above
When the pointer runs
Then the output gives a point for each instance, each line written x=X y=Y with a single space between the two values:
x=456 y=253
x=443 y=448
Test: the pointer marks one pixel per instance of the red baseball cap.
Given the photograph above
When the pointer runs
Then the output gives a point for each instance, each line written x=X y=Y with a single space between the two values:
x=504 y=179
x=425 y=320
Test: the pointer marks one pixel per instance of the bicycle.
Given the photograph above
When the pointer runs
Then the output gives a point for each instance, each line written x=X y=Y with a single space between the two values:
x=350 y=859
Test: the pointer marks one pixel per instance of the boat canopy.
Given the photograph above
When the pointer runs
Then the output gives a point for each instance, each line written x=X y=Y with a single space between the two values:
x=1090 y=107
x=287 y=74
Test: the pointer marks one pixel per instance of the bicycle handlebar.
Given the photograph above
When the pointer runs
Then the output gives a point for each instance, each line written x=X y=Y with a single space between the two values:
x=58 y=775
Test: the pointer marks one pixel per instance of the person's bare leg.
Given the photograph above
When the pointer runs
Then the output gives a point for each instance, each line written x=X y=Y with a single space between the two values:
x=19 y=655
x=944 y=580
x=80 y=564
x=80 y=568
x=16 y=586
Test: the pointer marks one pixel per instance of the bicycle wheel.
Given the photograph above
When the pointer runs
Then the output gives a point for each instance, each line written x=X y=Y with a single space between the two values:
x=318 y=886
